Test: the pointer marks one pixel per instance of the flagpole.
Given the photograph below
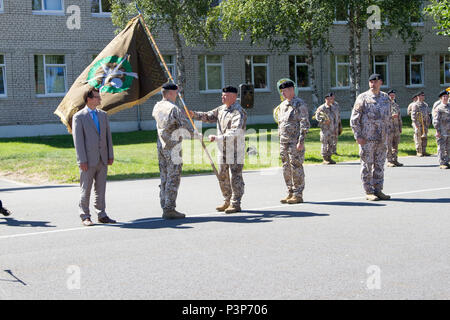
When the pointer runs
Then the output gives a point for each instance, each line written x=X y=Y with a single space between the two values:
x=179 y=95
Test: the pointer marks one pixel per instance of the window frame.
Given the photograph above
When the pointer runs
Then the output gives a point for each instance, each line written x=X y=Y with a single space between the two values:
x=49 y=12
x=336 y=65
x=47 y=94
x=3 y=67
x=2 y=8
x=222 y=69
x=386 y=81
x=258 y=64
x=340 y=22
x=422 y=72
x=445 y=62
x=308 y=88
x=100 y=13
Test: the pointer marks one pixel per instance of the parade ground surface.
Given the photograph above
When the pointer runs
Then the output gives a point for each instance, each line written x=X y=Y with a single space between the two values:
x=336 y=245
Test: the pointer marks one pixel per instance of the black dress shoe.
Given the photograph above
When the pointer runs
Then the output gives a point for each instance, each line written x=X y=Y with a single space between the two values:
x=106 y=219
x=4 y=211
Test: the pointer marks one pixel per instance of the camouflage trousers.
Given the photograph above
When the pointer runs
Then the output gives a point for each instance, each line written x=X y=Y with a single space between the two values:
x=443 y=144
x=392 y=147
x=170 y=174
x=329 y=143
x=373 y=157
x=232 y=189
x=420 y=142
x=293 y=173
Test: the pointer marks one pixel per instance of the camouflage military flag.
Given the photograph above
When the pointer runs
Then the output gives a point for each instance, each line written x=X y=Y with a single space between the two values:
x=127 y=72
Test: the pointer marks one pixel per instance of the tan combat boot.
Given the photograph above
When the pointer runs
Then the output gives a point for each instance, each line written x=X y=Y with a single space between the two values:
x=285 y=200
x=233 y=209
x=371 y=197
x=443 y=166
x=382 y=196
x=391 y=164
x=419 y=154
x=295 y=199
x=225 y=205
x=326 y=160
x=173 y=214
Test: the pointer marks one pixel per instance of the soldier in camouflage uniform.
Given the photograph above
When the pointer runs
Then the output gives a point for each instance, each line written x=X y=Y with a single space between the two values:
x=330 y=122
x=231 y=122
x=293 y=125
x=370 y=121
x=394 y=132
x=420 y=116
x=441 y=121
x=172 y=125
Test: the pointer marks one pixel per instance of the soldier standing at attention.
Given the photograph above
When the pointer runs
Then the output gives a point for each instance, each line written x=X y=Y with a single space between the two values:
x=293 y=125
x=441 y=121
x=172 y=125
x=231 y=125
x=370 y=120
x=420 y=116
x=330 y=124
x=394 y=132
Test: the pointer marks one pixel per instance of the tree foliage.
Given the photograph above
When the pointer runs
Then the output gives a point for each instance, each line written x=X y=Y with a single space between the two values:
x=440 y=11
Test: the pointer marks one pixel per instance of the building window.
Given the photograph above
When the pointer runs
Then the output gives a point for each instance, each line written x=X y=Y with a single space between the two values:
x=48 y=6
x=101 y=7
x=341 y=14
x=381 y=66
x=1 y=6
x=417 y=19
x=414 y=70
x=50 y=75
x=2 y=76
x=257 y=72
x=171 y=65
x=210 y=73
x=445 y=69
x=298 y=71
x=340 y=71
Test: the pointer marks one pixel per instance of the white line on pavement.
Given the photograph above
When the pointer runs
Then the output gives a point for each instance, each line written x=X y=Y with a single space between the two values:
x=203 y=214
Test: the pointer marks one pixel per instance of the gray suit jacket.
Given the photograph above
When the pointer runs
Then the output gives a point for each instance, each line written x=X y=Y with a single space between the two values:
x=91 y=146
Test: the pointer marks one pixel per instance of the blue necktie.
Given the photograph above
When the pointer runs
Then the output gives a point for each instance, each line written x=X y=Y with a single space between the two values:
x=95 y=118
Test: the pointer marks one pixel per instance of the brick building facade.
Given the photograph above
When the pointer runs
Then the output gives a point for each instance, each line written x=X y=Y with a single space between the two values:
x=42 y=51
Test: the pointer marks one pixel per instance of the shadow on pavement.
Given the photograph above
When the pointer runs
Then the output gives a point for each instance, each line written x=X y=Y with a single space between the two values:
x=259 y=217
x=439 y=200
x=38 y=187
x=11 y=222
x=349 y=204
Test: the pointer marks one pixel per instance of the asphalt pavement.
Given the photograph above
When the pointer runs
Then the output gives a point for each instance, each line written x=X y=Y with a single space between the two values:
x=336 y=245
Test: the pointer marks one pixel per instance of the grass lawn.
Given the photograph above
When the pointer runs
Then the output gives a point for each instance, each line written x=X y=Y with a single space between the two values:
x=52 y=159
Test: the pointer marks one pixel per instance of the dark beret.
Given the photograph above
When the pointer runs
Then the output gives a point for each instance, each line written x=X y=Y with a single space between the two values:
x=329 y=94
x=230 y=89
x=443 y=92
x=286 y=84
x=375 y=76
x=417 y=94
x=392 y=91
x=170 y=86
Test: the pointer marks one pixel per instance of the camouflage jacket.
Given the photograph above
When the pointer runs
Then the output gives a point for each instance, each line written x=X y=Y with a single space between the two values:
x=371 y=116
x=396 y=122
x=332 y=113
x=441 y=119
x=293 y=121
x=169 y=120
x=418 y=110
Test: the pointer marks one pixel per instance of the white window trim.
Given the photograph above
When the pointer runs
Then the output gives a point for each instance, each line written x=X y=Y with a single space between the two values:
x=46 y=94
x=445 y=84
x=206 y=74
x=340 y=22
x=101 y=13
x=260 y=64
x=3 y=66
x=295 y=71
x=336 y=64
x=422 y=73
x=386 y=84
x=50 y=12
x=421 y=22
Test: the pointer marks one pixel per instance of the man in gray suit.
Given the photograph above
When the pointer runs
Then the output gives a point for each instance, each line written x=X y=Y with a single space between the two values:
x=94 y=148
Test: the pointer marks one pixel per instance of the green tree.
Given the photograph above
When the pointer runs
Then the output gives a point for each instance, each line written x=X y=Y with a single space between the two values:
x=279 y=25
x=186 y=20
x=440 y=11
